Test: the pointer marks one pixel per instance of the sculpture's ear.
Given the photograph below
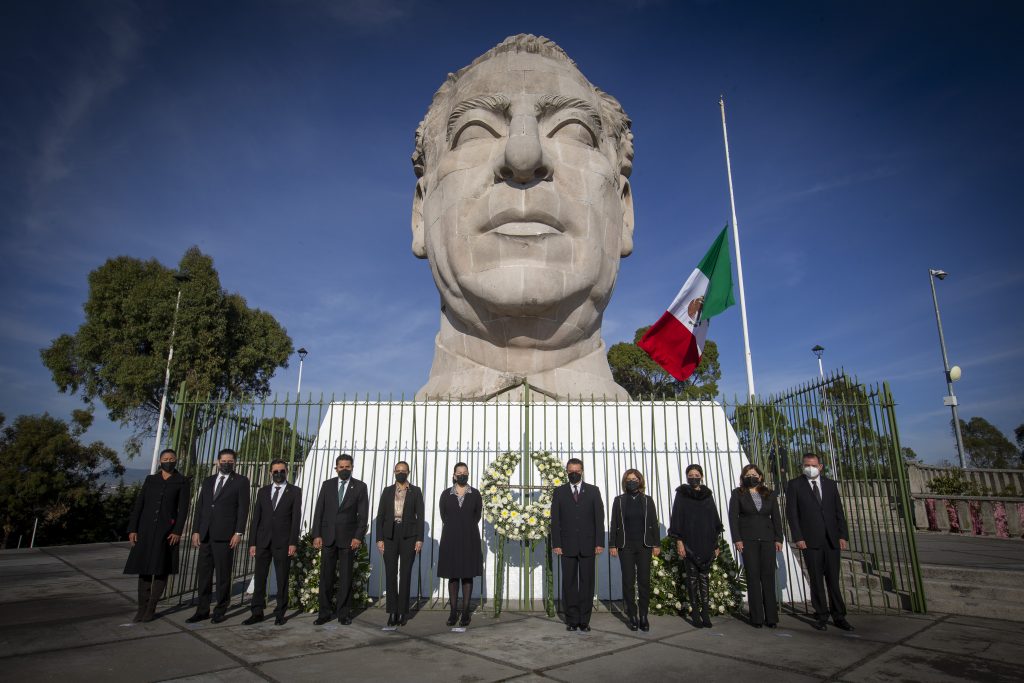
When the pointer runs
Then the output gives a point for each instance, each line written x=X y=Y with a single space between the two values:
x=419 y=246
x=627 y=217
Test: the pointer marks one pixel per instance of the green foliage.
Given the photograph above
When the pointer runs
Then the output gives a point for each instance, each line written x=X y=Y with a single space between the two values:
x=272 y=438
x=635 y=372
x=954 y=484
x=988 y=447
x=118 y=355
x=909 y=454
x=304 y=577
x=668 y=581
x=47 y=471
x=1018 y=434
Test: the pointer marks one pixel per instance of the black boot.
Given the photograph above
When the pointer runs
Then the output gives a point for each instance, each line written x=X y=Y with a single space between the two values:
x=694 y=594
x=466 y=614
x=156 y=592
x=704 y=584
x=143 y=598
x=453 y=617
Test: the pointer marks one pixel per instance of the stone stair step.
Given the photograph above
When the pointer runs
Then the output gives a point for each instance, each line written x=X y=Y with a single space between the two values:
x=971 y=607
x=972 y=575
x=974 y=591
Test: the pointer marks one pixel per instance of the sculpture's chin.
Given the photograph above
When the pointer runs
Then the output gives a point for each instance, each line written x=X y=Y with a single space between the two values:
x=522 y=291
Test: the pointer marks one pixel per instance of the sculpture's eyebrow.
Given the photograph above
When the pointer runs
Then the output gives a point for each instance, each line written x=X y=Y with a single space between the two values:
x=499 y=104
x=551 y=104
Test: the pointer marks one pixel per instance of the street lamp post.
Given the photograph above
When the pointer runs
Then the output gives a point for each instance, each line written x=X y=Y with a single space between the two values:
x=302 y=356
x=181 y=278
x=951 y=374
x=818 y=350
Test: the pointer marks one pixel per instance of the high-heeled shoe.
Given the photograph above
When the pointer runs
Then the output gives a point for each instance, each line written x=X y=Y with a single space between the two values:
x=453 y=617
x=645 y=625
x=632 y=623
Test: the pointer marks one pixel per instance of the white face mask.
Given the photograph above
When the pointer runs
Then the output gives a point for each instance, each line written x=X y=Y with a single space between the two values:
x=811 y=471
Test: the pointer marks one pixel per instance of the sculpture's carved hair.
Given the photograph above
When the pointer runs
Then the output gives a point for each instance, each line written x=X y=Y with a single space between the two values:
x=616 y=124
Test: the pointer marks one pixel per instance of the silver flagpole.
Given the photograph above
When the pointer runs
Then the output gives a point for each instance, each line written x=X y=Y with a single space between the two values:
x=739 y=260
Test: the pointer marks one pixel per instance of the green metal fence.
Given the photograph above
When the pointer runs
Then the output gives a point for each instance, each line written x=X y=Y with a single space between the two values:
x=852 y=425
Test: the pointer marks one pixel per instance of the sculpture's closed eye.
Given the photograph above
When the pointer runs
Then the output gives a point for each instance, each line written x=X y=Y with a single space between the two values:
x=574 y=130
x=473 y=130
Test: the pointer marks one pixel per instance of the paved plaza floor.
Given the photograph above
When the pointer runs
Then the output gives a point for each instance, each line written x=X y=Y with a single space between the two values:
x=65 y=616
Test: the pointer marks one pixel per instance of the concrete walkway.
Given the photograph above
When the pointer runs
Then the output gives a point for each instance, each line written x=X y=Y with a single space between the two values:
x=64 y=615
x=963 y=550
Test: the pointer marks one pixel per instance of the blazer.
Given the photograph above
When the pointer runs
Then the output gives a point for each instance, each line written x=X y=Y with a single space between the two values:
x=412 y=513
x=276 y=528
x=618 y=528
x=819 y=525
x=577 y=528
x=748 y=524
x=352 y=521
x=221 y=517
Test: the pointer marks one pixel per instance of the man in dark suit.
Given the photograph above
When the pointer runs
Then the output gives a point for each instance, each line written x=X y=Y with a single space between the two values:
x=577 y=536
x=817 y=526
x=217 y=527
x=339 y=526
x=274 y=534
x=399 y=540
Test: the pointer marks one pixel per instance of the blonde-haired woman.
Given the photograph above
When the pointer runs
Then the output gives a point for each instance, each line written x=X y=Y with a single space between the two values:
x=635 y=539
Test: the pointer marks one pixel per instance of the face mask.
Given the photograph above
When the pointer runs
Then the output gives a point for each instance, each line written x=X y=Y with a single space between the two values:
x=632 y=486
x=811 y=471
x=693 y=481
x=344 y=474
x=227 y=467
x=751 y=482
x=575 y=477
x=279 y=477
x=462 y=479
x=401 y=477
x=167 y=467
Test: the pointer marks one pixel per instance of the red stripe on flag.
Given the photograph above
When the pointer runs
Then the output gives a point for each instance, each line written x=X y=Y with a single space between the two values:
x=672 y=346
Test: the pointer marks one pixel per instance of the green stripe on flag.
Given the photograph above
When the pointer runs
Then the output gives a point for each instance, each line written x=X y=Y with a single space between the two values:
x=717 y=267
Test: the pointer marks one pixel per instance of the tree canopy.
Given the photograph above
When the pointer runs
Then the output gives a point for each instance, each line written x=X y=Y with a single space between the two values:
x=986 y=446
x=221 y=348
x=638 y=374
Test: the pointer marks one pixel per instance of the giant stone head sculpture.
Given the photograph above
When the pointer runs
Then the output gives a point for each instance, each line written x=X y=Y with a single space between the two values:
x=523 y=209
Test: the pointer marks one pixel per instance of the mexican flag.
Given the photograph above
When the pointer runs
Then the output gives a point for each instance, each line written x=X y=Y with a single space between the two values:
x=676 y=341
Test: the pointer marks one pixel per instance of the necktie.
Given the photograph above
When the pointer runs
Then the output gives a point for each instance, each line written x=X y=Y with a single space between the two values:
x=817 y=491
x=220 y=485
x=576 y=494
x=277 y=496
x=341 y=492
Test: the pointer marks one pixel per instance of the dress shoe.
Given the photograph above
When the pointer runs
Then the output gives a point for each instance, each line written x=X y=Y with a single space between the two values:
x=218 y=618
x=632 y=623
x=320 y=621
x=453 y=617
x=758 y=625
x=279 y=620
x=403 y=619
x=345 y=620
x=254 y=619
x=843 y=624
x=392 y=620
x=820 y=625
x=645 y=625
x=585 y=628
x=771 y=625
x=571 y=627
x=196 y=618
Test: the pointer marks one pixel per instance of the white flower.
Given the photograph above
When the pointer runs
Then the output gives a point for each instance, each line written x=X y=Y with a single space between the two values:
x=721 y=609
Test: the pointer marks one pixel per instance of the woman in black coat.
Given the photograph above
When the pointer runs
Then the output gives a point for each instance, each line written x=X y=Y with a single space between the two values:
x=635 y=539
x=155 y=528
x=756 y=525
x=460 y=558
x=696 y=526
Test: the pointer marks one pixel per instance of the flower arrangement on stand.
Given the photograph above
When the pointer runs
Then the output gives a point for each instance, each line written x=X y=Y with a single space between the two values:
x=304 y=578
x=668 y=582
x=522 y=522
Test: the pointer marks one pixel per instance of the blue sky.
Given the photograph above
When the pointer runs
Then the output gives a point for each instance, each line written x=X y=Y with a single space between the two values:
x=870 y=141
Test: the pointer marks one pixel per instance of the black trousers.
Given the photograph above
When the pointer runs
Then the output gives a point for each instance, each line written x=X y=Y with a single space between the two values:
x=823 y=574
x=636 y=578
x=335 y=559
x=214 y=556
x=399 y=555
x=759 y=563
x=282 y=564
x=577 y=588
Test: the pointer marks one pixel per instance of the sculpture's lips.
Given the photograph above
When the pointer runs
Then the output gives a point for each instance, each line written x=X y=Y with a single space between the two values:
x=519 y=223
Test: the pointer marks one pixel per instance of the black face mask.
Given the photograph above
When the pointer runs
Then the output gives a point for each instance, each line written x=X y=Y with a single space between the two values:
x=279 y=477
x=632 y=486
x=575 y=477
x=693 y=481
x=167 y=467
x=751 y=482
x=462 y=479
x=227 y=467
x=401 y=477
x=344 y=474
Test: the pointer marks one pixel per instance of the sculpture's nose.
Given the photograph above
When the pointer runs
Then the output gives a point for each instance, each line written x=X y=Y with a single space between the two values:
x=524 y=158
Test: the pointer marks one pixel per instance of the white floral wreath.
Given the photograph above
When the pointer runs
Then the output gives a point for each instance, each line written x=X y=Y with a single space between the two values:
x=514 y=520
